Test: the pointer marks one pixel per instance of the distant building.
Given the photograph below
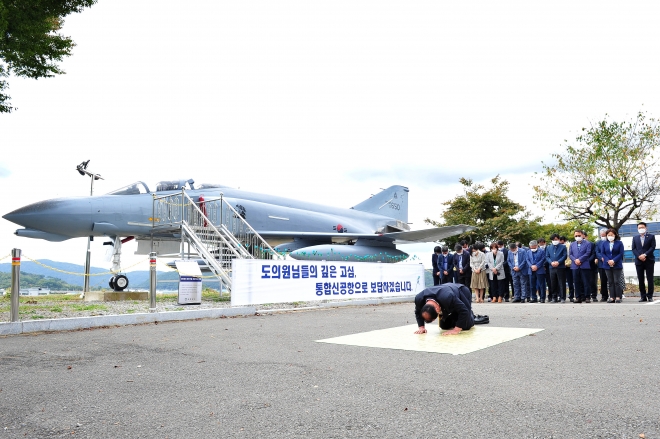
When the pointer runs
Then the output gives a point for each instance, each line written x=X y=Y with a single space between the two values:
x=35 y=291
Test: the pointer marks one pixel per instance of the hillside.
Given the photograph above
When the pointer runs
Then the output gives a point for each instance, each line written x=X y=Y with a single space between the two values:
x=36 y=280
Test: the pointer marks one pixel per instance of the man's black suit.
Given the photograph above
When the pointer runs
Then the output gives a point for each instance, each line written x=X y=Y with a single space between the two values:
x=644 y=267
x=435 y=269
x=466 y=277
x=507 y=273
x=455 y=303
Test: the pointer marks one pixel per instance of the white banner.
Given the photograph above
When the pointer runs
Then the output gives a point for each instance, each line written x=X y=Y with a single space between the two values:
x=256 y=281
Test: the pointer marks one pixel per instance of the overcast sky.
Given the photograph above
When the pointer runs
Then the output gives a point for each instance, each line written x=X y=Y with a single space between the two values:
x=322 y=101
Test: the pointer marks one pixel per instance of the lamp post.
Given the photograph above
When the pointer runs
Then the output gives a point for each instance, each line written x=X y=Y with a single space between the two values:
x=82 y=170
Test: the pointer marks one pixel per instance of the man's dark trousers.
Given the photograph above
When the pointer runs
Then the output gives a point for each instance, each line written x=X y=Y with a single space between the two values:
x=449 y=322
x=582 y=279
x=594 y=284
x=558 y=283
x=604 y=295
x=571 y=284
x=436 y=280
x=646 y=268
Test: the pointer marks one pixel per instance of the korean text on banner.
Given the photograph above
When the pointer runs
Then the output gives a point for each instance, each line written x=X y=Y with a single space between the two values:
x=256 y=281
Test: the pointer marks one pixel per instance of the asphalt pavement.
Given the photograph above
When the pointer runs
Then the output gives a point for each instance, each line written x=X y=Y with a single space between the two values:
x=592 y=373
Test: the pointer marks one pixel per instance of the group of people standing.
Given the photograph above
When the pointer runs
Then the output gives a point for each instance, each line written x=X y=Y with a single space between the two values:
x=544 y=271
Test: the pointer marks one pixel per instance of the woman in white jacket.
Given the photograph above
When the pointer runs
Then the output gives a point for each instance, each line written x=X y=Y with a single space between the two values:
x=496 y=275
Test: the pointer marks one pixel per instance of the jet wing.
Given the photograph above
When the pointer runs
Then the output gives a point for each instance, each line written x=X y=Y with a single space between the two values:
x=427 y=235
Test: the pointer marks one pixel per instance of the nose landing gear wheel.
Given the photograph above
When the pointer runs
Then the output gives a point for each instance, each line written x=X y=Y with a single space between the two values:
x=112 y=283
x=121 y=282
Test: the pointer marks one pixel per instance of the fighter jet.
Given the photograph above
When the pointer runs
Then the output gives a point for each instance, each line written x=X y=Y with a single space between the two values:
x=370 y=230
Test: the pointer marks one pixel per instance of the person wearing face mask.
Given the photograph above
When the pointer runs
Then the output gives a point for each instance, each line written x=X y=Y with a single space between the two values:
x=434 y=265
x=643 y=247
x=555 y=255
x=543 y=246
x=478 y=266
x=536 y=262
x=462 y=269
x=507 y=271
x=446 y=265
x=612 y=259
x=601 y=267
x=496 y=276
x=519 y=267
x=568 y=271
x=580 y=256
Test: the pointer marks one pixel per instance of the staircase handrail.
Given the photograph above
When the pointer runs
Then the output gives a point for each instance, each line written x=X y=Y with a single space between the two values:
x=275 y=254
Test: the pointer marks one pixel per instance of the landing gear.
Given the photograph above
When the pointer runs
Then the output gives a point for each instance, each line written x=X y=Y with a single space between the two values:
x=118 y=283
x=121 y=282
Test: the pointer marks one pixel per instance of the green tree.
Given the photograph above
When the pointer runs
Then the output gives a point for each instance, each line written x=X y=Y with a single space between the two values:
x=491 y=211
x=565 y=229
x=610 y=175
x=30 y=46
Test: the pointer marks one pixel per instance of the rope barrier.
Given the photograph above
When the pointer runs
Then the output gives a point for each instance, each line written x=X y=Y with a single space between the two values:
x=83 y=274
x=5 y=257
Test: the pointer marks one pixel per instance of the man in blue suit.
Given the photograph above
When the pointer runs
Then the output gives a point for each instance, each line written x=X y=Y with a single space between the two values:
x=518 y=264
x=580 y=255
x=643 y=247
x=556 y=255
x=600 y=245
x=536 y=262
x=446 y=265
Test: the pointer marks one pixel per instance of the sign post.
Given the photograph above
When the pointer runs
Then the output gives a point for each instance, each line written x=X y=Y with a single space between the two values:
x=15 y=282
x=152 y=282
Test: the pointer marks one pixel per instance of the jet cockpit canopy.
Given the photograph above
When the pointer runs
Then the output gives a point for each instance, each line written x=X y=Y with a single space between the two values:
x=140 y=187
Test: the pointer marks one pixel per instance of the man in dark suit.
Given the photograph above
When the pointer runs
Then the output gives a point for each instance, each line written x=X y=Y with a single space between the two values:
x=569 y=274
x=643 y=247
x=555 y=254
x=446 y=265
x=434 y=265
x=602 y=273
x=453 y=302
x=594 y=271
x=507 y=270
x=581 y=261
x=519 y=267
x=462 y=266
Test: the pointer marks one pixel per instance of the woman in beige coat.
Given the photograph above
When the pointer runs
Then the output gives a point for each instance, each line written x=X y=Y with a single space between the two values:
x=478 y=266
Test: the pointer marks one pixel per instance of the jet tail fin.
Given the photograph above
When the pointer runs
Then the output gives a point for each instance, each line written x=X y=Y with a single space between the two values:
x=391 y=202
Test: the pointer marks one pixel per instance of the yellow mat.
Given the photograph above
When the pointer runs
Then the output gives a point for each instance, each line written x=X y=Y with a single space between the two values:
x=403 y=337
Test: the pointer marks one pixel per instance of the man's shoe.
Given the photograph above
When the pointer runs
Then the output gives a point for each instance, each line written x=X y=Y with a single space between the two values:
x=618 y=301
x=642 y=300
x=541 y=301
x=533 y=301
x=516 y=301
x=577 y=301
x=572 y=300
x=604 y=299
x=481 y=320
x=506 y=300
x=563 y=300
x=587 y=300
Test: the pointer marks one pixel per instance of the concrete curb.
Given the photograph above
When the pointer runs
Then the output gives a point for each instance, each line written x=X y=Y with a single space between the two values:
x=75 y=323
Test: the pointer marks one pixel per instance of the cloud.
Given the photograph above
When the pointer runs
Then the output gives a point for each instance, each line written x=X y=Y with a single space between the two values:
x=441 y=174
x=4 y=172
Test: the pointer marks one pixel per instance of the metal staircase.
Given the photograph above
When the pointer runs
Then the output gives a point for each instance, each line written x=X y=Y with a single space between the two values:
x=214 y=229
